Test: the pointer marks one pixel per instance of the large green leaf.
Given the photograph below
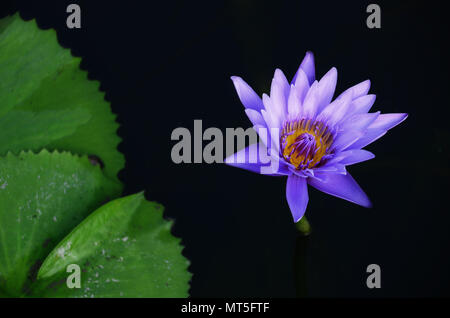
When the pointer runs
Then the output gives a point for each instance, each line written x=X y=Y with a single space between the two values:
x=42 y=198
x=124 y=248
x=32 y=130
x=39 y=77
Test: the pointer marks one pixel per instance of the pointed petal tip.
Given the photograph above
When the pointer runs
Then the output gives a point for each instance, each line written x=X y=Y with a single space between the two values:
x=402 y=117
x=364 y=87
x=309 y=55
x=364 y=201
x=388 y=121
x=297 y=196
x=308 y=67
x=278 y=71
x=333 y=71
x=246 y=94
x=342 y=186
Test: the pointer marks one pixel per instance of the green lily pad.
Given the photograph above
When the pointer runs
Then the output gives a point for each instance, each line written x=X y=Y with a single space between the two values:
x=32 y=130
x=40 y=77
x=42 y=198
x=124 y=249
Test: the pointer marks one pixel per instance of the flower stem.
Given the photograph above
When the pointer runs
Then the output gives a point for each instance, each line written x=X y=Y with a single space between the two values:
x=303 y=226
x=300 y=265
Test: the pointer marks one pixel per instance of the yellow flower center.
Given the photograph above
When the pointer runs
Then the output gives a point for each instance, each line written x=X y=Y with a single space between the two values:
x=304 y=142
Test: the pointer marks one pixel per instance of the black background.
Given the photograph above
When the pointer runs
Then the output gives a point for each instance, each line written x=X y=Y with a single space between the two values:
x=163 y=64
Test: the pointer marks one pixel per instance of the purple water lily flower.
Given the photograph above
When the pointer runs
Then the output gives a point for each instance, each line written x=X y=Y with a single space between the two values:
x=312 y=137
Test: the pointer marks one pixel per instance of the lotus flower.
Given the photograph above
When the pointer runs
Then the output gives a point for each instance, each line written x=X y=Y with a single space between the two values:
x=312 y=137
